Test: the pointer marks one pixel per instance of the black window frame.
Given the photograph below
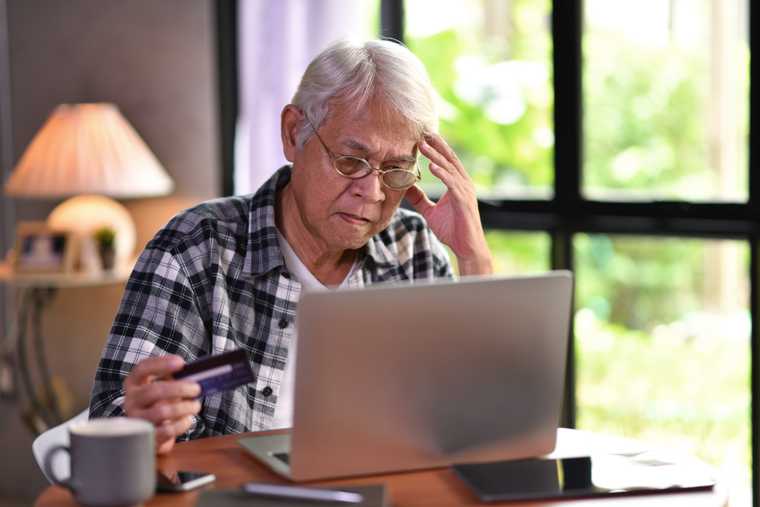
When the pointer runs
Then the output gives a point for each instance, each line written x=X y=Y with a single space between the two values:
x=567 y=213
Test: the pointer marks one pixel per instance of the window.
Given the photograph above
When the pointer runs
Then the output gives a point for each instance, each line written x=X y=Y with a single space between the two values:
x=490 y=61
x=611 y=137
x=517 y=253
x=665 y=99
x=662 y=340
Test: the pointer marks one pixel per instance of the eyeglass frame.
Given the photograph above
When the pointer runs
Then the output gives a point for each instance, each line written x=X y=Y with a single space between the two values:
x=372 y=170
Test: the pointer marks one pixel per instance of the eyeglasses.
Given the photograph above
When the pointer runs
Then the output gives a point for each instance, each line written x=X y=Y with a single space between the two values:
x=396 y=176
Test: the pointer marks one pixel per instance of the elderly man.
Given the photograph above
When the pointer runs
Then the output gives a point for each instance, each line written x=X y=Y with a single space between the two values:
x=228 y=273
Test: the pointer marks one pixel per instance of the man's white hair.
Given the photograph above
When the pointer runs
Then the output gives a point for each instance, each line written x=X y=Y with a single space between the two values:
x=355 y=72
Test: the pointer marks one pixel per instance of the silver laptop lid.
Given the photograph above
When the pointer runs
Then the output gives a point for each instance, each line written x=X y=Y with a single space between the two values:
x=400 y=377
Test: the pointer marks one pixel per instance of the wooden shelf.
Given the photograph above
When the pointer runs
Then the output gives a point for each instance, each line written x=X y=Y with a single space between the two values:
x=63 y=280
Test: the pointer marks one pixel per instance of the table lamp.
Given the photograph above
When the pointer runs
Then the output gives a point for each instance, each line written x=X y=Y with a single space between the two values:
x=90 y=153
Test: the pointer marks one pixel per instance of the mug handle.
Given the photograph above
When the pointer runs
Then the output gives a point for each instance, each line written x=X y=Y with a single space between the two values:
x=49 y=466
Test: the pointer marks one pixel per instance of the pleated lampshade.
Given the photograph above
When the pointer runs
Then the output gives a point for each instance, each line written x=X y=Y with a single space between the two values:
x=88 y=149
x=90 y=154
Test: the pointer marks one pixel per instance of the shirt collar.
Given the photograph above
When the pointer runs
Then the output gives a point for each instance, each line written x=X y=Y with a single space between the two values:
x=377 y=250
x=263 y=252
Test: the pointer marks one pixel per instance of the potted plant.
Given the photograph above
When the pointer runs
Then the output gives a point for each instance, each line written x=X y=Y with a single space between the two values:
x=105 y=239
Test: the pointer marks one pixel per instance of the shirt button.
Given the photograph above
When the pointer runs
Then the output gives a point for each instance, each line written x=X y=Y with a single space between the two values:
x=283 y=323
x=266 y=391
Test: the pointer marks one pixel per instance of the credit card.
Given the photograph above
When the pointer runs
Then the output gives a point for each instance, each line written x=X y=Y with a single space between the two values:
x=218 y=373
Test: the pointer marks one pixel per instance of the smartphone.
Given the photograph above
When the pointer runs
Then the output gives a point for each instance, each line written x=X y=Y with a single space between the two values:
x=182 y=480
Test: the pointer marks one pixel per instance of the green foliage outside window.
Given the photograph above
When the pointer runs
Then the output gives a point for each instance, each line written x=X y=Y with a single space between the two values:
x=646 y=123
x=496 y=101
x=646 y=128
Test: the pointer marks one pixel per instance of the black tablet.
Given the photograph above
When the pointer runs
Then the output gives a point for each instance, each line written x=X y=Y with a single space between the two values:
x=543 y=478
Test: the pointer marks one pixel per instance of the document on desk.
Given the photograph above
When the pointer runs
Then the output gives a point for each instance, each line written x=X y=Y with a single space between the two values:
x=374 y=496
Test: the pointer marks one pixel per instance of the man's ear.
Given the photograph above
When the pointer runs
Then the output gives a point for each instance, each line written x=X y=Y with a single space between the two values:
x=290 y=121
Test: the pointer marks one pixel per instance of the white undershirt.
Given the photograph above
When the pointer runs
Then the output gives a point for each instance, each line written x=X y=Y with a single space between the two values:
x=283 y=411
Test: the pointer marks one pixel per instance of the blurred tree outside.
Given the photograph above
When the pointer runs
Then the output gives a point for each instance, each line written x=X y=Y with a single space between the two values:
x=662 y=324
x=519 y=252
x=662 y=329
x=665 y=100
x=658 y=356
x=490 y=63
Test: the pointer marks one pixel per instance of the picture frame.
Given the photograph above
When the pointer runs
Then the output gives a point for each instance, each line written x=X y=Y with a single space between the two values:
x=40 y=249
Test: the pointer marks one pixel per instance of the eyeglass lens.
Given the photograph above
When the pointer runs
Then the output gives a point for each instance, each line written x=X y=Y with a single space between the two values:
x=397 y=178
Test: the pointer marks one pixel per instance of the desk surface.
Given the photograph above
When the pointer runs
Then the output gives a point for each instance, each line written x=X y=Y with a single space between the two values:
x=233 y=466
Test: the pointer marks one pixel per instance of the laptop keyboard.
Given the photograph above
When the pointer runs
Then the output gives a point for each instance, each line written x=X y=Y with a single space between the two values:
x=282 y=456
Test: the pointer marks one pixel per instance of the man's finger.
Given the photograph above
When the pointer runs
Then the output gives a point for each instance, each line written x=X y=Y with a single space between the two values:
x=169 y=430
x=148 y=394
x=436 y=157
x=439 y=144
x=161 y=412
x=166 y=411
x=417 y=198
x=154 y=366
x=447 y=177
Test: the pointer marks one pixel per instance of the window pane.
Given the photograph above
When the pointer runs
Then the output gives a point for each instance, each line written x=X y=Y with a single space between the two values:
x=663 y=346
x=490 y=61
x=666 y=92
x=517 y=253
x=371 y=9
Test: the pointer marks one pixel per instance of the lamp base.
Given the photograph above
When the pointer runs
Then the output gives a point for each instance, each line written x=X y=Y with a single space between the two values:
x=85 y=214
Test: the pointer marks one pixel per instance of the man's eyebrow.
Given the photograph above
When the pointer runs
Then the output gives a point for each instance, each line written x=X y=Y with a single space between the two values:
x=356 y=145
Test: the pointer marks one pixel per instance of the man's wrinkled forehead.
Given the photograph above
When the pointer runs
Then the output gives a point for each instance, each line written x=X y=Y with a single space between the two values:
x=372 y=128
x=396 y=153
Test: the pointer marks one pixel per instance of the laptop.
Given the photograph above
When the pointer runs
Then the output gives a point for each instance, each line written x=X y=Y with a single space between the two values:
x=397 y=377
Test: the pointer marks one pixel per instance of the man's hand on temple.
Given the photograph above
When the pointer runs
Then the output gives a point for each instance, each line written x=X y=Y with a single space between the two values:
x=454 y=219
x=168 y=404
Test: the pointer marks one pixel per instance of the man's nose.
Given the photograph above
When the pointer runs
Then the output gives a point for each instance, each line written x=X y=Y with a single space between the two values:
x=370 y=187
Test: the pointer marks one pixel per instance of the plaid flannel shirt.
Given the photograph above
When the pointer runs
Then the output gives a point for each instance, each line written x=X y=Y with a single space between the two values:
x=214 y=279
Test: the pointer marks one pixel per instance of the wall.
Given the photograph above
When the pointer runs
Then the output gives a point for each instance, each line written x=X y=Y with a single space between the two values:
x=157 y=61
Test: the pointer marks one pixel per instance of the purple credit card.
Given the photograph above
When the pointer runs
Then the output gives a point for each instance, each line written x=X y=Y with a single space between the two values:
x=218 y=373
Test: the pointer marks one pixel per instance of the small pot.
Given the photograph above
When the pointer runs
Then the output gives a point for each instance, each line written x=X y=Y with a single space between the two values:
x=107 y=256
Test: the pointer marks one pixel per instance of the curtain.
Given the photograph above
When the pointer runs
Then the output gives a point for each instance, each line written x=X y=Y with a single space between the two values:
x=276 y=41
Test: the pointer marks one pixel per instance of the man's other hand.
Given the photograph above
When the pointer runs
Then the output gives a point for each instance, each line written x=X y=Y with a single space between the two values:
x=169 y=404
x=454 y=219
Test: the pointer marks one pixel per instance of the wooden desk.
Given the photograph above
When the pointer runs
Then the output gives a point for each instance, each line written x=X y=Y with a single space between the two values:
x=233 y=466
